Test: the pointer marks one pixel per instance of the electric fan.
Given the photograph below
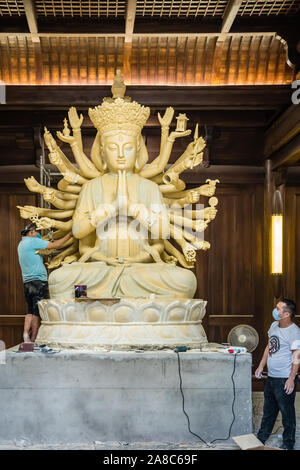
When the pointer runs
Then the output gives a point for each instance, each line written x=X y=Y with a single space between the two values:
x=244 y=336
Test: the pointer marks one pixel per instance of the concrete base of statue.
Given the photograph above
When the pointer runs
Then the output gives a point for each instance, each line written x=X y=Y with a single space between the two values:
x=122 y=323
x=88 y=396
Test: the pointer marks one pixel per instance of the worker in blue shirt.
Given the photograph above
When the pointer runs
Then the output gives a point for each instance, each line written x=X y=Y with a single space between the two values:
x=34 y=275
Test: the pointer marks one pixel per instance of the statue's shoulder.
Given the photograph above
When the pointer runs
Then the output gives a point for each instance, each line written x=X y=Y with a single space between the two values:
x=94 y=182
x=147 y=183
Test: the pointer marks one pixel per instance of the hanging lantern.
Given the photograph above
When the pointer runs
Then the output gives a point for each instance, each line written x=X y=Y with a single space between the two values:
x=277 y=235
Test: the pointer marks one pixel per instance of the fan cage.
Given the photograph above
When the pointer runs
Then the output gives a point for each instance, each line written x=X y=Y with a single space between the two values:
x=249 y=329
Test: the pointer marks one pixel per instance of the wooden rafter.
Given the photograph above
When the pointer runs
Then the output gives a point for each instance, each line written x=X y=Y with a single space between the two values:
x=284 y=129
x=31 y=19
x=230 y=13
x=130 y=19
x=129 y=28
x=287 y=155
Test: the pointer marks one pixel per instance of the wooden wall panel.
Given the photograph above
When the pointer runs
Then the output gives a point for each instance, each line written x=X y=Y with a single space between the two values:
x=11 y=330
x=292 y=246
x=230 y=273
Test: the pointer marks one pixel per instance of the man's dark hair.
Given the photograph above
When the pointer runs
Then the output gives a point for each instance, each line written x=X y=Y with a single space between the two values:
x=28 y=228
x=290 y=306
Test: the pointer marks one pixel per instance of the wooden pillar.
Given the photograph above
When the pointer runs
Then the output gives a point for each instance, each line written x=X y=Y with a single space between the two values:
x=268 y=287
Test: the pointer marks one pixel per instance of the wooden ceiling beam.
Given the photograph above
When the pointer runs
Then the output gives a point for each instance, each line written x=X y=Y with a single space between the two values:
x=259 y=97
x=282 y=25
x=130 y=19
x=129 y=28
x=31 y=19
x=142 y=35
x=287 y=155
x=230 y=13
x=285 y=128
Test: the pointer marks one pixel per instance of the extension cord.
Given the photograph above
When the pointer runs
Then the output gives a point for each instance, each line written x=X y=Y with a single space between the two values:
x=234 y=350
x=181 y=349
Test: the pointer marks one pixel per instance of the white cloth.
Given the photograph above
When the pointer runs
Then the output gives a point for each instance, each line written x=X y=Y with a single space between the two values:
x=280 y=356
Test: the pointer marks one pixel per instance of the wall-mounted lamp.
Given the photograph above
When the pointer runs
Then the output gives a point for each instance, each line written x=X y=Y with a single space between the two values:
x=277 y=234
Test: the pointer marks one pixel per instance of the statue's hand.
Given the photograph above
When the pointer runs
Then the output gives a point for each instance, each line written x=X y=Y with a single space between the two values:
x=195 y=151
x=189 y=252
x=127 y=261
x=44 y=223
x=69 y=139
x=55 y=263
x=75 y=121
x=193 y=197
x=112 y=261
x=102 y=212
x=49 y=140
x=195 y=146
x=56 y=160
x=210 y=213
x=169 y=259
x=70 y=259
x=175 y=134
x=33 y=185
x=138 y=210
x=208 y=189
x=134 y=210
x=203 y=245
x=49 y=194
x=166 y=120
x=201 y=225
x=27 y=212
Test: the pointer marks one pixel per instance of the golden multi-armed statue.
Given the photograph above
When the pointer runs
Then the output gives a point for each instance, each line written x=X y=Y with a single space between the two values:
x=117 y=181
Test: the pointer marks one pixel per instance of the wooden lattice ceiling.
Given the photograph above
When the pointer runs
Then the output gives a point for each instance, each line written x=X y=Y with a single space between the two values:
x=99 y=9
x=161 y=8
x=196 y=8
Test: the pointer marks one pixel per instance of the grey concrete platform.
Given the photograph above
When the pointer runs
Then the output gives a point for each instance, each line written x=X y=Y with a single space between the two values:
x=73 y=397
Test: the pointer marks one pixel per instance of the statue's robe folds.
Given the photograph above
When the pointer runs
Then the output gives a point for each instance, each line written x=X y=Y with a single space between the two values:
x=120 y=239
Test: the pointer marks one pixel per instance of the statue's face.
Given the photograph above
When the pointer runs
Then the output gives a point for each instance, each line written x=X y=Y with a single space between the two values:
x=120 y=151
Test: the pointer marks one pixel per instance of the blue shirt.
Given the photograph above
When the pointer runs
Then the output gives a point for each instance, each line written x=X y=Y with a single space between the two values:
x=31 y=263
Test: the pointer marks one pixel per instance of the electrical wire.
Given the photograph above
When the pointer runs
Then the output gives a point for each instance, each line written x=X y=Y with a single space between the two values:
x=233 y=402
x=187 y=416
x=183 y=401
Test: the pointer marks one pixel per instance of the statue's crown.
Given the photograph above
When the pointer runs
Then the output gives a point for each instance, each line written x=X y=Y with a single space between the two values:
x=119 y=114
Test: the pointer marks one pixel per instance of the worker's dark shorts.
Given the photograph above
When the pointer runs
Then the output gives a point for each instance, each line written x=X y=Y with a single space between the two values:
x=34 y=291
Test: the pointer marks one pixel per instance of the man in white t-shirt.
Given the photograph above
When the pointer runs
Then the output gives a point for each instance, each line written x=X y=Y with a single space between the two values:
x=280 y=387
